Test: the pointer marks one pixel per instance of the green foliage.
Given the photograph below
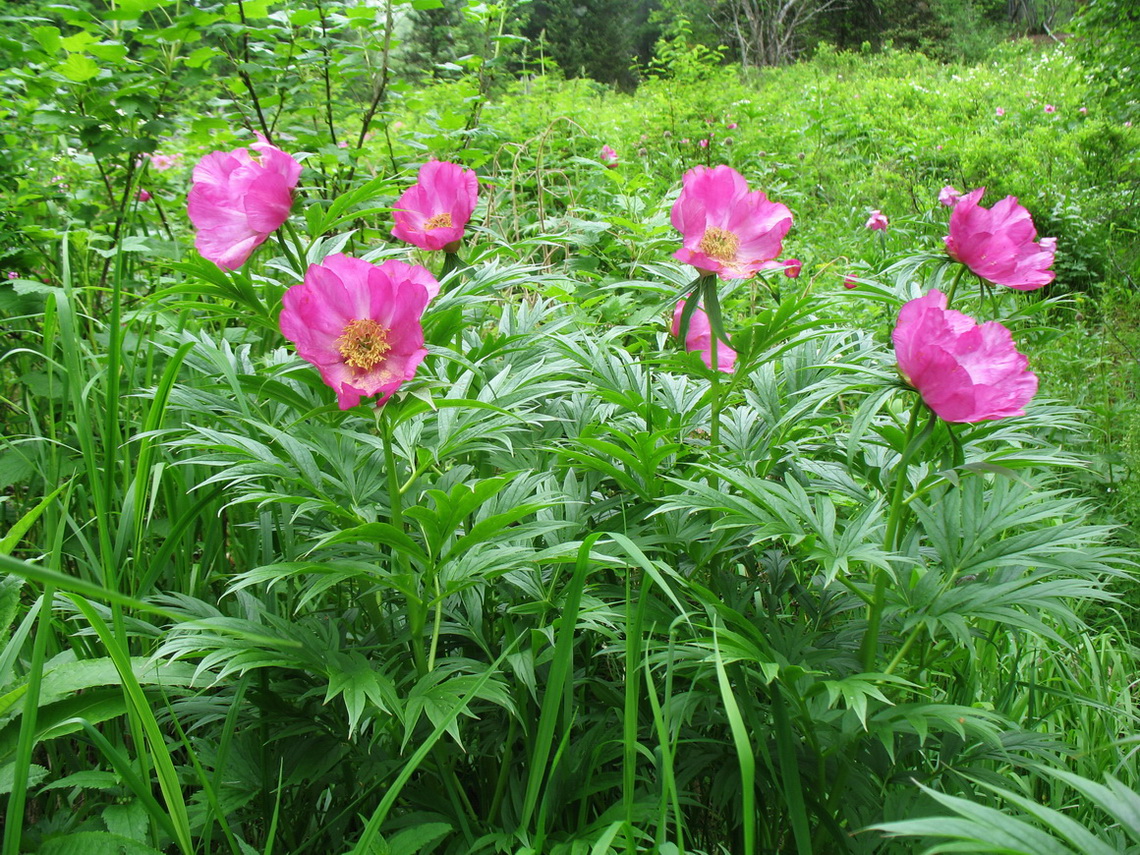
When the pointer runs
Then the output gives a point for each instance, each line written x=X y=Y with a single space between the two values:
x=569 y=591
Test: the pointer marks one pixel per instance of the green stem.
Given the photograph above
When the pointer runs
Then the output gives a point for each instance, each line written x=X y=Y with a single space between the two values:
x=870 y=649
x=293 y=262
x=417 y=613
x=954 y=285
x=451 y=262
x=898 y=658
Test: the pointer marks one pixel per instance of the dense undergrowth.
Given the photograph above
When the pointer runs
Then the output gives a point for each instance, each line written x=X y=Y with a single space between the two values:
x=569 y=590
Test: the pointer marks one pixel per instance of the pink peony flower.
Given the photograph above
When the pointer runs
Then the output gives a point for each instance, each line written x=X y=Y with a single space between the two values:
x=239 y=199
x=1000 y=111
x=144 y=196
x=609 y=157
x=163 y=162
x=877 y=221
x=792 y=268
x=964 y=371
x=359 y=324
x=1049 y=108
x=699 y=339
x=949 y=196
x=433 y=212
x=726 y=229
x=999 y=244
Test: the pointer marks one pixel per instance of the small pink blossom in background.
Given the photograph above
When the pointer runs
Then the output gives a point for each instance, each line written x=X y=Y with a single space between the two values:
x=342 y=144
x=1127 y=124
x=877 y=221
x=726 y=229
x=359 y=324
x=1000 y=111
x=703 y=143
x=1083 y=110
x=608 y=156
x=948 y=196
x=731 y=126
x=964 y=371
x=144 y=196
x=999 y=244
x=685 y=141
x=239 y=199
x=698 y=339
x=163 y=162
x=1049 y=108
x=433 y=212
x=792 y=268
x=849 y=282
x=12 y=274
x=56 y=179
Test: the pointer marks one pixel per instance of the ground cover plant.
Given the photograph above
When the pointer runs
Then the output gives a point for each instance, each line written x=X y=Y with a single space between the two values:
x=502 y=464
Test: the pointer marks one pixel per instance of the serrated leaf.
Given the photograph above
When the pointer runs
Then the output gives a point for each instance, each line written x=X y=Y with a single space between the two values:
x=79 y=68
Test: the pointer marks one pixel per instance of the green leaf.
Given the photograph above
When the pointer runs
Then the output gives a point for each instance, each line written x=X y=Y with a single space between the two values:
x=79 y=68
x=48 y=38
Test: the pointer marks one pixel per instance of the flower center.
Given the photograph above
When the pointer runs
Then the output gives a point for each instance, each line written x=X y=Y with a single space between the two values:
x=363 y=343
x=439 y=221
x=720 y=244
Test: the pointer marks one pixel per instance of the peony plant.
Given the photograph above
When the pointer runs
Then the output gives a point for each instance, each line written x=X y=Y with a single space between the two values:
x=238 y=199
x=964 y=371
x=1000 y=244
x=433 y=213
x=726 y=229
x=359 y=324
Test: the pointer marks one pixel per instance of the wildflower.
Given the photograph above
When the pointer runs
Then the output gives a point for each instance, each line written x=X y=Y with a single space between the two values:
x=849 y=282
x=433 y=212
x=144 y=196
x=1000 y=111
x=163 y=162
x=877 y=221
x=731 y=126
x=999 y=244
x=239 y=199
x=726 y=229
x=698 y=339
x=1083 y=110
x=12 y=274
x=703 y=143
x=359 y=324
x=948 y=196
x=964 y=371
x=792 y=268
x=342 y=144
x=1049 y=108
x=609 y=157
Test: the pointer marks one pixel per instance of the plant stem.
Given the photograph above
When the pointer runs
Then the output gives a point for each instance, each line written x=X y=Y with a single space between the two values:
x=870 y=649
x=417 y=615
x=954 y=285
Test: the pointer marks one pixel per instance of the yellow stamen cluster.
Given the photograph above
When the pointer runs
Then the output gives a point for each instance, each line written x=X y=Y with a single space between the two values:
x=439 y=221
x=363 y=343
x=719 y=244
